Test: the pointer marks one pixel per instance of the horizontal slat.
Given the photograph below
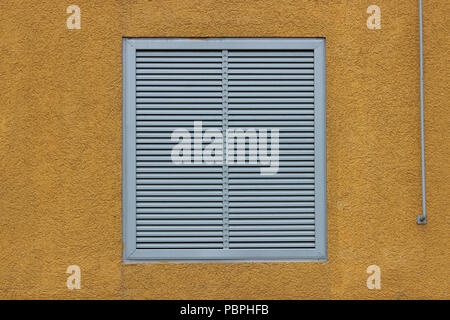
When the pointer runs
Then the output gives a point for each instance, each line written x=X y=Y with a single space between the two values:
x=189 y=59
x=178 y=187
x=267 y=66
x=273 y=245
x=174 y=65
x=261 y=89
x=282 y=163
x=270 y=193
x=269 y=124
x=280 y=216
x=166 y=148
x=268 y=117
x=156 y=164
x=178 y=53
x=162 y=94
x=181 y=169
x=179 y=222
x=197 y=76
x=271 y=227
x=245 y=186
x=178 y=239
x=202 y=204
x=296 y=146
x=290 y=128
x=188 y=233
x=277 y=95
x=247 y=76
x=281 y=152
x=169 y=217
x=232 y=60
x=167 y=160
x=172 y=88
x=269 y=53
x=271 y=239
x=280 y=169
x=178 y=72
x=269 y=100
x=158 y=83
x=172 y=112
x=178 y=245
x=270 y=106
x=234 y=234
x=170 y=118
x=165 y=144
x=267 y=200
x=192 y=228
x=173 y=199
x=177 y=194
x=181 y=123
x=176 y=100
x=164 y=141
x=181 y=100
x=269 y=113
x=273 y=82
x=298 y=133
x=277 y=210
x=181 y=106
x=299 y=175
x=272 y=222
x=265 y=206
x=178 y=181
x=284 y=72
x=178 y=210
x=266 y=180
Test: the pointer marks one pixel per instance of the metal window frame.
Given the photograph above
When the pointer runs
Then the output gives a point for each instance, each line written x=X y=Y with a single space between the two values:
x=133 y=255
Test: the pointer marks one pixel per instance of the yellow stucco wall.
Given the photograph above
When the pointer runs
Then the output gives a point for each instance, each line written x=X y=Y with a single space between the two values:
x=60 y=149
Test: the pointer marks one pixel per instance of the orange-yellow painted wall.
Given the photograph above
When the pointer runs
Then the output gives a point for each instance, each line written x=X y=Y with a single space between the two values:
x=60 y=149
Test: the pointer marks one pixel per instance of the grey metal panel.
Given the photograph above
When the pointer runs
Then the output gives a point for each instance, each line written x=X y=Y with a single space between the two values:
x=177 y=210
x=219 y=254
x=174 y=212
x=128 y=151
x=182 y=44
x=320 y=147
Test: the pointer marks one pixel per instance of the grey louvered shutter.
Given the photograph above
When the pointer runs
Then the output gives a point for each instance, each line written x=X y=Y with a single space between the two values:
x=224 y=211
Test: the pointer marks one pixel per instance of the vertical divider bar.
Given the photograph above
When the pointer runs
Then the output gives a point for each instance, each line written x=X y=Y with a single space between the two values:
x=422 y=218
x=224 y=148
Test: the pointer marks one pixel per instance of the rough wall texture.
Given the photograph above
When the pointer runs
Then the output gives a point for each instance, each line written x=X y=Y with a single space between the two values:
x=60 y=142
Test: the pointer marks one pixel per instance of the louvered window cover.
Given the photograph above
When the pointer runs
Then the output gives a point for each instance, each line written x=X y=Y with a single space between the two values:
x=218 y=210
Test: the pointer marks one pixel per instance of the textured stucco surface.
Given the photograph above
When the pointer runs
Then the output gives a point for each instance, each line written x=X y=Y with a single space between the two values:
x=60 y=149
